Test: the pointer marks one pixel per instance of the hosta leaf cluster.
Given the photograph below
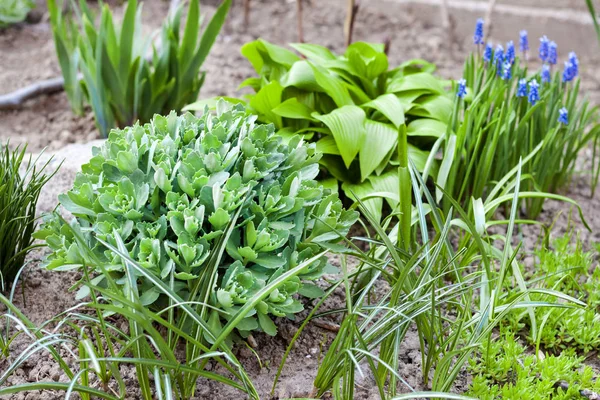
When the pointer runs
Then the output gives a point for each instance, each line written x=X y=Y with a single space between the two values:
x=352 y=106
x=217 y=200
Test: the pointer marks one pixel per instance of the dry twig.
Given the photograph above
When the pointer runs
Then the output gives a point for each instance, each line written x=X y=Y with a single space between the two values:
x=18 y=97
x=351 y=12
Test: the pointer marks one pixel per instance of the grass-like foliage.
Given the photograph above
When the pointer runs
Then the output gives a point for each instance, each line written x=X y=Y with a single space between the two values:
x=21 y=181
x=107 y=65
x=13 y=11
x=352 y=106
x=506 y=370
x=505 y=112
x=567 y=267
x=216 y=207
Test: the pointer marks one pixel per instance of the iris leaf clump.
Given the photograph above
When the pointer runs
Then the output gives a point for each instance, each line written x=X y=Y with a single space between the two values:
x=217 y=207
x=120 y=73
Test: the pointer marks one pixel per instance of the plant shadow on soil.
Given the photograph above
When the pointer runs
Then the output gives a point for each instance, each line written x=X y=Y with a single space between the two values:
x=28 y=56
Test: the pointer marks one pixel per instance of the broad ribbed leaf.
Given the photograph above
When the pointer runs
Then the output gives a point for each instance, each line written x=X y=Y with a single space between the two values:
x=292 y=108
x=266 y=100
x=326 y=145
x=380 y=140
x=390 y=106
x=438 y=107
x=387 y=183
x=301 y=75
x=426 y=127
x=313 y=52
x=347 y=125
x=419 y=81
x=334 y=87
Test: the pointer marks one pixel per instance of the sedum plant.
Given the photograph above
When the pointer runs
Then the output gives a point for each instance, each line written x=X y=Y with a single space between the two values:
x=13 y=11
x=506 y=112
x=217 y=207
x=21 y=182
x=353 y=106
x=106 y=63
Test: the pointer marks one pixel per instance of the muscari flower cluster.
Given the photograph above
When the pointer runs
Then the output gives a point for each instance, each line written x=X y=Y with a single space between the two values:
x=504 y=60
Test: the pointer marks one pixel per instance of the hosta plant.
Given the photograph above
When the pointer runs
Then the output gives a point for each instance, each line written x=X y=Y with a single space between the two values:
x=217 y=207
x=353 y=106
x=120 y=72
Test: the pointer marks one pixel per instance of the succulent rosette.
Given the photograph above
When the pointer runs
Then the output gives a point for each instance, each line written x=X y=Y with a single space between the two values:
x=184 y=192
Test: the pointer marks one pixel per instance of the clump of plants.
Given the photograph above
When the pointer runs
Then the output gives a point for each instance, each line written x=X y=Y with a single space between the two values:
x=217 y=207
x=21 y=181
x=13 y=11
x=353 y=106
x=506 y=113
x=566 y=267
x=506 y=370
x=122 y=74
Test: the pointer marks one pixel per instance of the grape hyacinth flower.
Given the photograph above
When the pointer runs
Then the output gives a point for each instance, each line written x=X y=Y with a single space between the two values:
x=462 y=88
x=522 y=88
x=563 y=116
x=510 y=52
x=523 y=41
x=544 y=43
x=546 y=73
x=498 y=56
x=552 y=53
x=487 y=53
x=534 y=94
x=478 y=36
x=575 y=61
x=569 y=72
x=506 y=70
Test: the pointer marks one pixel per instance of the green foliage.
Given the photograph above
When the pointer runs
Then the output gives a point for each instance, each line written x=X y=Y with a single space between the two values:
x=505 y=370
x=353 y=106
x=493 y=128
x=107 y=65
x=20 y=184
x=13 y=11
x=217 y=207
x=566 y=267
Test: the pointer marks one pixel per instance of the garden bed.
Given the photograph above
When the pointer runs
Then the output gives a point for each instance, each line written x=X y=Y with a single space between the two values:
x=47 y=121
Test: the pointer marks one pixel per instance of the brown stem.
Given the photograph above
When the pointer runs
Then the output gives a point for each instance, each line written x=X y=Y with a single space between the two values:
x=246 y=14
x=352 y=10
x=299 y=16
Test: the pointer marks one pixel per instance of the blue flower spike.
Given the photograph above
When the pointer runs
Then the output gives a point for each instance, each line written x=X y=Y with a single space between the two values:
x=575 y=61
x=544 y=48
x=462 y=88
x=478 y=35
x=534 y=94
x=522 y=88
x=498 y=57
x=570 y=71
x=523 y=42
x=563 y=116
x=546 y=77
x=488 y=53
x=510 y=52
x=552 y=53
x=506 y=70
